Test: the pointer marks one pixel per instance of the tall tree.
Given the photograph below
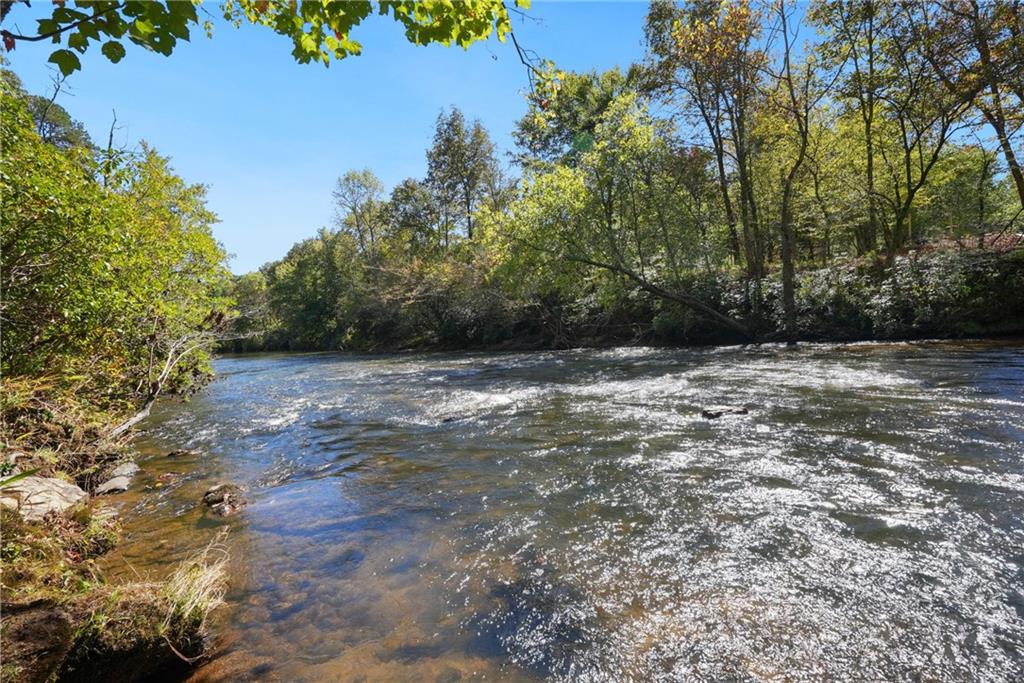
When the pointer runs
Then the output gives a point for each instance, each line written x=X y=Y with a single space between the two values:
x=461 y=167
x=622 y=209
x=359 y=208
x=412 y=217
x=921 y=116
x=853 y=43
x=974 y=48
x=559 y=129
x=707 y=54
x=795 y=94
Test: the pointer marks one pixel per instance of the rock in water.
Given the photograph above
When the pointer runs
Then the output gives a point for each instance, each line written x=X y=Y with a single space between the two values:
x=714 y=412
x=181 y=452
x=224 y=499
x=35 y=497
x=112 y=485
x=127 y=469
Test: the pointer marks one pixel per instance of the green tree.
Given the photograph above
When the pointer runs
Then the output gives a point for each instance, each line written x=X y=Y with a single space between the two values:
x=461 y=168
x=412 y=218
x=53 y=123
x=558 y=129
x=853 y=42
x=112 y=290
x=977 y=52
x=359 y=208
x=620 y=210
x=707 y=57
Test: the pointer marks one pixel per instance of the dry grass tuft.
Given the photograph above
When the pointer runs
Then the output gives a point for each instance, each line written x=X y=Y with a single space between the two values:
x=197 y=587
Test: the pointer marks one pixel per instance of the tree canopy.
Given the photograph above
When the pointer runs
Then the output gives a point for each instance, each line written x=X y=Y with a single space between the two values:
x=320 y=30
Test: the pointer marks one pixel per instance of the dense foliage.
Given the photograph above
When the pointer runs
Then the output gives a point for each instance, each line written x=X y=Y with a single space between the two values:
x=736 y=185
x=112 y=284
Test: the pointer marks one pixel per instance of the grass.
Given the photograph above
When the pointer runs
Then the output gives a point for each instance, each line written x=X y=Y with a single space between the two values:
x=143 y=627
x=54 y=561
x=196 y=587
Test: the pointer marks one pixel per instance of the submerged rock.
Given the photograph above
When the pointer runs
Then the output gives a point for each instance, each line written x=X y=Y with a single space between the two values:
x=714 y=412
x=181 y=452
x=119 y=478
x=36 y=497
x=113 y=485
x=127 y=469
x=224 y=499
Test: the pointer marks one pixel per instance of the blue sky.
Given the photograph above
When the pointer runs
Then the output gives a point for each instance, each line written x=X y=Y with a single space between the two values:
x=270 y=136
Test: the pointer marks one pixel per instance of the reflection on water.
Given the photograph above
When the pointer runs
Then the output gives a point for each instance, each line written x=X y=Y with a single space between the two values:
x=570 y=516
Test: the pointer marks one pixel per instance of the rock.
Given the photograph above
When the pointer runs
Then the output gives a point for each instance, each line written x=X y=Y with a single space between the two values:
x=112 y=485
x=224 y=499
x=35 y=638
x=181 y=452
x=127 y=469
x=714 y=412
x=35 y=497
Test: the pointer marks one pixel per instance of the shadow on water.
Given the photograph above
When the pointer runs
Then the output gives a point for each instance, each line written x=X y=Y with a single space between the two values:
x=571 y=516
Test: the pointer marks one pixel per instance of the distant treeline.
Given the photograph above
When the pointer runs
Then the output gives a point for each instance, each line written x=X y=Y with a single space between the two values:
x=739 y=184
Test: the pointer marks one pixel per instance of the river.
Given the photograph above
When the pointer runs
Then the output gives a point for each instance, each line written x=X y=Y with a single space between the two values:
x=571 y=516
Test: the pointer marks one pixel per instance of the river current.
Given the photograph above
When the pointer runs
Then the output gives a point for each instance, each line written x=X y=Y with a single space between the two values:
x=571 y=516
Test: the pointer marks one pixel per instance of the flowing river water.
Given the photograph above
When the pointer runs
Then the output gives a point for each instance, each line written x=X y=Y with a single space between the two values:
x=571 y=516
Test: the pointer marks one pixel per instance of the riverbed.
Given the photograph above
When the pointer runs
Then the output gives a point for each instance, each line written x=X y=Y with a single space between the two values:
x=571 y=516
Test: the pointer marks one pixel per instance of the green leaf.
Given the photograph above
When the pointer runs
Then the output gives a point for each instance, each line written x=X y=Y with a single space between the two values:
x=113 y=50
x=78 y=41
x=144 y=27
x=66 y=60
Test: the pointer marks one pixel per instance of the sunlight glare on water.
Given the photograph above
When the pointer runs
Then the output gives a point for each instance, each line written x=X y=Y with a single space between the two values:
x=571 y=516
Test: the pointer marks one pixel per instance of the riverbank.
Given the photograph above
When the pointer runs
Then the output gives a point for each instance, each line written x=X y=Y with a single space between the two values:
x=112 y=288
x=61 y=618
x=945 y=289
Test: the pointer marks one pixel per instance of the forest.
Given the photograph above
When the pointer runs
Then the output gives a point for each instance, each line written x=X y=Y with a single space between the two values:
x=851 y=173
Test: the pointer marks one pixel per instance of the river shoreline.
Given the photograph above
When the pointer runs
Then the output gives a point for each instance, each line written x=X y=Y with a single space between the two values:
x=1011 y=337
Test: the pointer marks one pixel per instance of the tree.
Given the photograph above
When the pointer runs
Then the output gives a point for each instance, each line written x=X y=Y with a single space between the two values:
x=559 y=129
x=319 y=30
x=795 y=95
x=53 y=123
x=974 y=49
x=112 y=291
x=412 y=217
x=461 y=168
x=315 y=290
x=854 y=43
x=920 y=115
x=618 y=210
x=705 y=57
x=358 y=207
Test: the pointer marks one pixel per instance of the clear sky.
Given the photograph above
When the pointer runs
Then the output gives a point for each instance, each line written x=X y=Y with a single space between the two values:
x=270 y=136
